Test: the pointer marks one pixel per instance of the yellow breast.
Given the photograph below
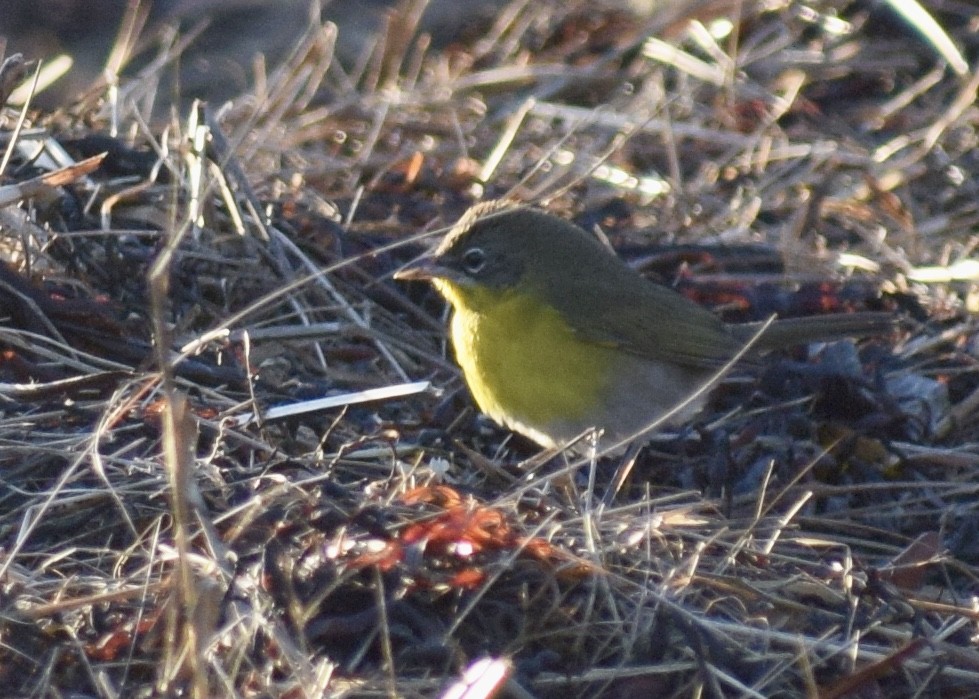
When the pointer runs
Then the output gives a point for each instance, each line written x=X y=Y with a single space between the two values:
x=524 y=366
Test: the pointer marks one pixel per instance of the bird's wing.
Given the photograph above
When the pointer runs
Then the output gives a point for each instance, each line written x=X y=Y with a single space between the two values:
x=648 y=320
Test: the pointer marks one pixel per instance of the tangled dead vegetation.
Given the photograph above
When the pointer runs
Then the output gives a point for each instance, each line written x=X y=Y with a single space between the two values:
x=167 y=281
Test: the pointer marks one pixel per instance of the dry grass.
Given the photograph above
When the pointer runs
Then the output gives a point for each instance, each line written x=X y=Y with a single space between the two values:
x=814 y=536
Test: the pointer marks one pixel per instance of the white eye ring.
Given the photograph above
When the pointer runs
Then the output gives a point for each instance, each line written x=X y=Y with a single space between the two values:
x=474 y=259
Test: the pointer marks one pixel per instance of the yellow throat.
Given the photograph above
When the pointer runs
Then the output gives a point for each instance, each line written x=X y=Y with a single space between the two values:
x=556 y=335
x=523 y=363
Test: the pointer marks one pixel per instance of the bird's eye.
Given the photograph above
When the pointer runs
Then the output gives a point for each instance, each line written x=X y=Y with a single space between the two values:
x=474 y=259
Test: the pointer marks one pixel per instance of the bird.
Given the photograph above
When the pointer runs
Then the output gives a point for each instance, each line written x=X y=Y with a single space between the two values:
x=557 y=337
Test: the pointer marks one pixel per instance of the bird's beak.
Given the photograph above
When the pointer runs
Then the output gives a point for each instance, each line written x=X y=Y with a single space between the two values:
x=424 y=269
x=417 y=271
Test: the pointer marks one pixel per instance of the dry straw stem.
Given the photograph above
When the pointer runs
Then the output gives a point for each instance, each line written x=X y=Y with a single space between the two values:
x=811 y=535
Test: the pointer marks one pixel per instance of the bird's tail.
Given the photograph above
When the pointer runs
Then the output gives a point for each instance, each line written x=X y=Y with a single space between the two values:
x=796 y=331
